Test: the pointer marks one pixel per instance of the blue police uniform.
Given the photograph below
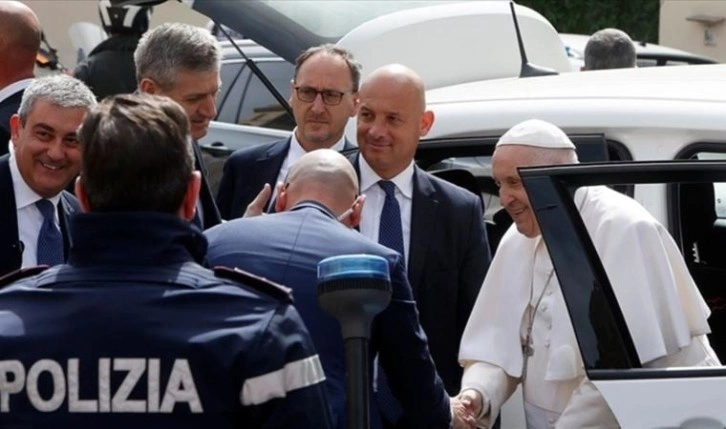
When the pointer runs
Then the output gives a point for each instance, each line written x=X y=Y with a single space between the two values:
x=134 y=333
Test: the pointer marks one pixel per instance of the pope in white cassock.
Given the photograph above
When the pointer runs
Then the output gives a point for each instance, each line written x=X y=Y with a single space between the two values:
x=520 y=331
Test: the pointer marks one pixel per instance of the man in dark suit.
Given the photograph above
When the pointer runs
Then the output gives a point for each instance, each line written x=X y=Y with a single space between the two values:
x=286 y=247
x=323 y=95
x=182 y=62
x=19 y=45
x=34 y=208
x=442 y=225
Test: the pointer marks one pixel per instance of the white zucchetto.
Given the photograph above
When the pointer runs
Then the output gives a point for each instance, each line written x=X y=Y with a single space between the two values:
x=537 y=133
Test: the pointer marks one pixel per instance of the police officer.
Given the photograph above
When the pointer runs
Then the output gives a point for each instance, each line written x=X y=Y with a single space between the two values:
x=133 y=332
x=109 y=68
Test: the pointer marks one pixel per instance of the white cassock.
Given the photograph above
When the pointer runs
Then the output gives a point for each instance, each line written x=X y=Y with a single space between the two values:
x=662 y=306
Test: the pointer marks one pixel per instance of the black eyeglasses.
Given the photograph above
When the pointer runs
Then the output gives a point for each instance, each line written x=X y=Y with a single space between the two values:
x=330 y=97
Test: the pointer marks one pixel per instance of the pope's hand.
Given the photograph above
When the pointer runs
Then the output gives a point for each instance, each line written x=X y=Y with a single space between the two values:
x=462 y=415
x=472 y=400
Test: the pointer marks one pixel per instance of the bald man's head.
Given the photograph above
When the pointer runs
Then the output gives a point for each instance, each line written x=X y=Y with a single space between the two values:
x=324 y=176
x=392 y=118
x=19 y=41
x=402 y=79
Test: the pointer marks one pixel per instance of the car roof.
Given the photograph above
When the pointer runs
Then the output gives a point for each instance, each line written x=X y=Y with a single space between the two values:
x=575 y=44
x=671 y=105
x=249 y=47
x=685 y=83
x=486 y=42
x=407 y=32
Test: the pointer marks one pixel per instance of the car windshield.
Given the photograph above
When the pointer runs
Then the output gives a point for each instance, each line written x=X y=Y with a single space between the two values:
x=333 y=19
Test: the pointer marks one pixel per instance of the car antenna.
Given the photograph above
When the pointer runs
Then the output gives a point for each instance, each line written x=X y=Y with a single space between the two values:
x=256 y=70
x=528 y=70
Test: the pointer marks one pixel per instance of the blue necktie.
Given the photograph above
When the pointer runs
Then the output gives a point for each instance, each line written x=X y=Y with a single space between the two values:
x=50 y=240
x=390 y=234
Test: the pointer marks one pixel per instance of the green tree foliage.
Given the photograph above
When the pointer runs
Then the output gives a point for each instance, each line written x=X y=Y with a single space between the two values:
x=637 y=18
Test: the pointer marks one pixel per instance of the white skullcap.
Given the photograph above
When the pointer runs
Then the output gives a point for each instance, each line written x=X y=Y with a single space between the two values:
x=537 y=133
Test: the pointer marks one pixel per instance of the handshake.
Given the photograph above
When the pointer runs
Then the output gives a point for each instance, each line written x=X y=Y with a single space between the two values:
x=466 y=407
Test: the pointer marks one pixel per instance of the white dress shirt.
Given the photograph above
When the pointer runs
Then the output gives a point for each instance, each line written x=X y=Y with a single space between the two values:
x=295 y=152
x=375 y=197
x=29 y=217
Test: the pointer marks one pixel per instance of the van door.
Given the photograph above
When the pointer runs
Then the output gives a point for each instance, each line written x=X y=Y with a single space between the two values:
x=640 y=398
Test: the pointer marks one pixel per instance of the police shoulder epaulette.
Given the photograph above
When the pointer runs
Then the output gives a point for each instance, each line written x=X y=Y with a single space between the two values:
x=260 y=284
x=22 y=273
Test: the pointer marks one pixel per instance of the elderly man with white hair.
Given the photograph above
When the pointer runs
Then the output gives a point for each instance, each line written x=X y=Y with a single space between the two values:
x=520 y=331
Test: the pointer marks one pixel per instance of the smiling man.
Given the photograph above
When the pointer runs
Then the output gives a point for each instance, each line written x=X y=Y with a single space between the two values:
x=323 y=96
x=436 y=226
x=182 y=62
x=532 y=342
x=34 y=208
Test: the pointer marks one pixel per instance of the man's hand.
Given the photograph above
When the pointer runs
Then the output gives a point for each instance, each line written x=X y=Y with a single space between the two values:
x=467 y=407
x=463 y=416
x=257 y=206
x=472 y=400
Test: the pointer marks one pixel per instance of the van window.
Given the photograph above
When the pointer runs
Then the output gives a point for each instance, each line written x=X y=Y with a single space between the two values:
x=235 y=76
x=259 y=107
x=719 y=189
x=700 y=226
x=245 y=100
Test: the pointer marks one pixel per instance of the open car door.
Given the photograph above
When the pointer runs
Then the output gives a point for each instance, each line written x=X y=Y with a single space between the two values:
x=639 y=397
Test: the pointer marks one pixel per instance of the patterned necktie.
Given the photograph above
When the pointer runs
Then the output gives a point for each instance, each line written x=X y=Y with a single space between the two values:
x=390 y=234
x=50 y=240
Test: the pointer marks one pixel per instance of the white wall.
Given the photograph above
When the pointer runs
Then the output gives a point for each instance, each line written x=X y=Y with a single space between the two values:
x=56 y=16
x=678 y=32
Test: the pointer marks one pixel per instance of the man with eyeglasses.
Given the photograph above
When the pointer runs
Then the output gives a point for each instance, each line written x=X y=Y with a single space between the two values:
x=316 y=209
x=323 y=96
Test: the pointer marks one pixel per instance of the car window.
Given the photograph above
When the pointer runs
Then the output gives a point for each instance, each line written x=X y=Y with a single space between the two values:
x=466 y=162
x=719 y=189
x=235 y=76
x=699 y=224
x=245 y=100
x=259 y=107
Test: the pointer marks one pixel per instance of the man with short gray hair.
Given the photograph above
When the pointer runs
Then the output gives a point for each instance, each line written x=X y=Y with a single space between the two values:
x=609 y=48
x=34 y=208
x=182 y=62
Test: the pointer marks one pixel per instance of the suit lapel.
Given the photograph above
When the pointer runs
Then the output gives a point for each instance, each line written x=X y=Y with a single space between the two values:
x=206 y=199
x=423 y=219
x=66 y=208
x=10 y=248
x=267 y=168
